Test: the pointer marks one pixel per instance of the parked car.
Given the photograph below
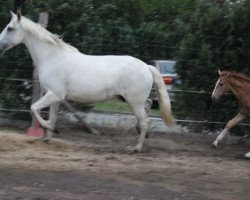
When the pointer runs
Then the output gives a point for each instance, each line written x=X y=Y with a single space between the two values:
x=170 y=77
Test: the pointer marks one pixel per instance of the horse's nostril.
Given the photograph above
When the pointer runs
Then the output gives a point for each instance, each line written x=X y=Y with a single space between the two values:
x=215 y=99
x=2 y=47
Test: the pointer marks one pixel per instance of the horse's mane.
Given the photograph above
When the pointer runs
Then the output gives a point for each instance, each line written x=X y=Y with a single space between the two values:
x=237 y=75
x=43 y=34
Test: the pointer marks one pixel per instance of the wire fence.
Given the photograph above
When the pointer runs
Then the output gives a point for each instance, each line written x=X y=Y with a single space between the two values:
x=16 y=82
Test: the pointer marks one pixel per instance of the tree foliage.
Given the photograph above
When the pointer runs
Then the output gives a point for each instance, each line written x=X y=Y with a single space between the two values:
x=217 y=37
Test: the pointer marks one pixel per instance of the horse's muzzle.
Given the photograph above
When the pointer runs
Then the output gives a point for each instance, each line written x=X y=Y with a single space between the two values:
x=215 y=99
x=4 y=47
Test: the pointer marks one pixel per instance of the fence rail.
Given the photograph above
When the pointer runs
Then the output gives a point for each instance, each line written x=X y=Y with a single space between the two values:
x=115 y=112
x=184 y=121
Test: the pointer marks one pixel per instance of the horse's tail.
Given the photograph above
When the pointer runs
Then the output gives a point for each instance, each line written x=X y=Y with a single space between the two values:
x=163 y=97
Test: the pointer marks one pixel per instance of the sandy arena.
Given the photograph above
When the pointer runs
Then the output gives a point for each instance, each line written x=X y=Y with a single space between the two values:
x=76 y=165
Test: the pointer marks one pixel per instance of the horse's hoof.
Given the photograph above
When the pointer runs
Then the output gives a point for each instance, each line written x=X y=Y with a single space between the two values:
x=213 y=146
x=39 y=139
x=246 y=157
x=56 y=131
x=132 y=150
x=46 y=141
x=96 y=132
x=43 y=140
x=242 y=157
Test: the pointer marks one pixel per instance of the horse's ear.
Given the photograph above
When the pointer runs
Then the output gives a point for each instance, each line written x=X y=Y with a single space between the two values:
x=12 y=14
x=228 y=75
x=219 y=72
x=19 y=15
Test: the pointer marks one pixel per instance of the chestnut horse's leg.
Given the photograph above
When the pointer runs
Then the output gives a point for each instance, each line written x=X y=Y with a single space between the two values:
x=229 y=125
x=247 y=155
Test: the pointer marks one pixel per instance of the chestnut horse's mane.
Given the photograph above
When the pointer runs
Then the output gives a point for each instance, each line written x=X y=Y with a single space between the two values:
x=236 y=75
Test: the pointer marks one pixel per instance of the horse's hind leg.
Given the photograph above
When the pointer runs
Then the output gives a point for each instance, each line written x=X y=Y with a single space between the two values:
x=84 y=124
x=142 y=118
x=229 y=125
x=148 y=105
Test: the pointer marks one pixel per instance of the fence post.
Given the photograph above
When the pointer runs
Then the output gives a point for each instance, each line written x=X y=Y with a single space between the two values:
x=35 y=129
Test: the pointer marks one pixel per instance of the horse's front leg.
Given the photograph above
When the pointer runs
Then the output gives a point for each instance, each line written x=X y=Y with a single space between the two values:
x=229 y=125
x=48 y=99
x=52 y=120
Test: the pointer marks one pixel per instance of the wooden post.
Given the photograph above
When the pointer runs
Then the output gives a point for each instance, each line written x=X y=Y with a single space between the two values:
x=35 y=129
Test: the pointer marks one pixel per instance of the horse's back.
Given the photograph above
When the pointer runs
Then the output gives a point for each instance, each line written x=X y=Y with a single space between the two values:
x=120 y=68
x=95 y=78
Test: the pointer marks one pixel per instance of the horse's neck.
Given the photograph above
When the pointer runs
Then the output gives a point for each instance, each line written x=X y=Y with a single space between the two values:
x=240 y=90
x=40 y=51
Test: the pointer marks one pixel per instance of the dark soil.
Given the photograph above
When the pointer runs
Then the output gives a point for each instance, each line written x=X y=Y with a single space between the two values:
x=77 y=165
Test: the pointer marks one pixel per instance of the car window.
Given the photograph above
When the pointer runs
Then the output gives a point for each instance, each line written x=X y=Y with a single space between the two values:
x=166 y=67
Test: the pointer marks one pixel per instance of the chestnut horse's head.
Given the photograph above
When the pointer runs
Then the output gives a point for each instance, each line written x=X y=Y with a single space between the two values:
x=222 y=85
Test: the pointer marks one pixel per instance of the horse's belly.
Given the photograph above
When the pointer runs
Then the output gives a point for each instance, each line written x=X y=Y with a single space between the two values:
x=89 y=95
x=87 y=99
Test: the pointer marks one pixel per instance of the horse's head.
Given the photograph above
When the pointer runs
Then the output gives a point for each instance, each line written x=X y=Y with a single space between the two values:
x=13 y=34
x=222 y=85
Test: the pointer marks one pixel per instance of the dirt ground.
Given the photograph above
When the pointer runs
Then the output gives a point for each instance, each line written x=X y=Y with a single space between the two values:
x=76 y=165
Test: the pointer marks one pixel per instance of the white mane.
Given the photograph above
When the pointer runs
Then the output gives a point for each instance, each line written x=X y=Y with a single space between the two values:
x=42 y=34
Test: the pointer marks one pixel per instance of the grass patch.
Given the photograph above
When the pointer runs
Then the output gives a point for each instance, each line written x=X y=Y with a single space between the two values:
x=120 y=106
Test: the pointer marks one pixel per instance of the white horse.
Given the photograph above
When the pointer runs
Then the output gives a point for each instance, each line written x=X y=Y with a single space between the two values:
x=65 y=73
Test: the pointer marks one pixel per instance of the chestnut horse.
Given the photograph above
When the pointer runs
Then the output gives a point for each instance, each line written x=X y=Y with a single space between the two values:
x=239 y=85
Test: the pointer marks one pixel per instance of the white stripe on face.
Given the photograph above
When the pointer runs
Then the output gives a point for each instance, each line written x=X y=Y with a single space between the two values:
x=215 y=87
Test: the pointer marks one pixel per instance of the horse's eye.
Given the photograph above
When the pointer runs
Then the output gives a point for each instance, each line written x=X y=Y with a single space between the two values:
x=220 y=84
x=10 y=29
